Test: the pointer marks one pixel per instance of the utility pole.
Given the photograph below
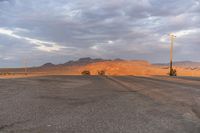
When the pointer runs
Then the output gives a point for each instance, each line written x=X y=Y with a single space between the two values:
x=25 y=66
x=172 y=37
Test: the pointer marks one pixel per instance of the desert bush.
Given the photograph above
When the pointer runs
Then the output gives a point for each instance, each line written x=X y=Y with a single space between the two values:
x=173 y=73
x=86 y=72
x=102 y=72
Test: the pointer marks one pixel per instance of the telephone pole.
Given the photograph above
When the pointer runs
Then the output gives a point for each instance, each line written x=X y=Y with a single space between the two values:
x=172 y=37
x=25 y=66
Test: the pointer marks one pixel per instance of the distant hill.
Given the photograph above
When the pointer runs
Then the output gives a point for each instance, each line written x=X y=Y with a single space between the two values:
x=88 y=60
x=79 y=62
x=187 y=64
x=83 y=61
x=48 y=65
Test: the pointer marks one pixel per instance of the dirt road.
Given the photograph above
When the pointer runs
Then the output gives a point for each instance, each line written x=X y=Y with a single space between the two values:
x=92 y=104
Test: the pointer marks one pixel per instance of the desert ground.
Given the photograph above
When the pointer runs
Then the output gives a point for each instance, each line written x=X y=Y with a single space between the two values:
x=111 y=68
x=100 y=104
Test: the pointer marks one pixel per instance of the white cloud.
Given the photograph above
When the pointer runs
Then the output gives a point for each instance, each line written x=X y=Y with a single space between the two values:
x=110 y=42
x=164 y=39
x=186 y=32
x=101 y=46
x=40 y=44
x=8 y=58
x=179 y=34
x=95 y=47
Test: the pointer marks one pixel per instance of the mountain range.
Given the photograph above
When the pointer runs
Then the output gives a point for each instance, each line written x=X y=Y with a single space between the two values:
x=79 y=62
x=88 y=60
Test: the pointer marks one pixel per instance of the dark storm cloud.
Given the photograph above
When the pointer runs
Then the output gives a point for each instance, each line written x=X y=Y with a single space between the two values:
x=67 y=29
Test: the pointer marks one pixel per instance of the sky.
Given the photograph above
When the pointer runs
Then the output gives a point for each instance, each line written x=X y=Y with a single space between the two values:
x=40 y=31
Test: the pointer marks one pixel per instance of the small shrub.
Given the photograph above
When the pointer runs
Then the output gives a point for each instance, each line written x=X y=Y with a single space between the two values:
x=85 y=72
x=173 y=73
x=102 y=72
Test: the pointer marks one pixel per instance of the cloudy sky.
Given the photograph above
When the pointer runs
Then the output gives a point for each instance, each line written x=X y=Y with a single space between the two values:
x=56 y=31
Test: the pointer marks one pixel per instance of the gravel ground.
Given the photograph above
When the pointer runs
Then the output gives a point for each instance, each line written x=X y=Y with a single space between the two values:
x=92 y=104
